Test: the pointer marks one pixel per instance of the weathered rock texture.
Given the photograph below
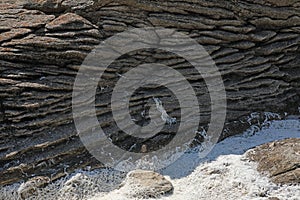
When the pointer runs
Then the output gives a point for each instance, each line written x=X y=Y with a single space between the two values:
x=144 y=184
x=255 y=45
x=280 y=160
x=29 y=188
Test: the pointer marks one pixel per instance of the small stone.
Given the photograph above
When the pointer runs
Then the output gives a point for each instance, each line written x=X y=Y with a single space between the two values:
x=144 y=184
x=144 y=149
x=29 y=188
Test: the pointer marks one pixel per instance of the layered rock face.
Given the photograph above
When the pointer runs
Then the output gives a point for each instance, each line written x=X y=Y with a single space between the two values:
x=255 y=45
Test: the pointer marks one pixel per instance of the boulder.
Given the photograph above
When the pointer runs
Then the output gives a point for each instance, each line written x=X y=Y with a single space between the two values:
x=280 y=160
x=145 y=184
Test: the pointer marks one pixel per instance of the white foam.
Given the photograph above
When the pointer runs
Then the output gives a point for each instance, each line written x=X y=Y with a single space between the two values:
x=223 y=174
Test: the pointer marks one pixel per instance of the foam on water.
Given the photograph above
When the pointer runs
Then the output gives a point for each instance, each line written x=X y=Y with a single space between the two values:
x=223 y=174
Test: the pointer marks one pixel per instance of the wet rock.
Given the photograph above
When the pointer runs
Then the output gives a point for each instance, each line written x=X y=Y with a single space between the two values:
x=280 y=160
x=144 y=184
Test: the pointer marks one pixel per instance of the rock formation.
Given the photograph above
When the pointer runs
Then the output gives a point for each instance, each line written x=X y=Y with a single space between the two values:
x=30 y=187
x=280 y=160
x=255 y=45
x=144 y=184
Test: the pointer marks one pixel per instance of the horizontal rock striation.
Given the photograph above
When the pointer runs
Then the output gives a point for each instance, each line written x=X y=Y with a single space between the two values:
x=255 y=45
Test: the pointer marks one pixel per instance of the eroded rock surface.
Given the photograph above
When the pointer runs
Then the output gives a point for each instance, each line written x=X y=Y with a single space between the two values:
x=29 y=188
x=145 y=184
x=255 y=45
x=280 y=160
